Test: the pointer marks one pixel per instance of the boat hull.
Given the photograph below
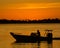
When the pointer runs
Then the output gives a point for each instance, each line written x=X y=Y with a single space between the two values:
x=31 y=39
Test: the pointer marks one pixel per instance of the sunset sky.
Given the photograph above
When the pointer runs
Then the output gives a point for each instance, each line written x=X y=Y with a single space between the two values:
x=29 y=9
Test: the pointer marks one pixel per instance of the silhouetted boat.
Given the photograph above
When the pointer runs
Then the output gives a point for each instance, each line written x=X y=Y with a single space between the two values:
x=34 y=37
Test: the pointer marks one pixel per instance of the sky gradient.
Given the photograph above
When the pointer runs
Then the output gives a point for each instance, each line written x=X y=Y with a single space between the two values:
x=29 y=9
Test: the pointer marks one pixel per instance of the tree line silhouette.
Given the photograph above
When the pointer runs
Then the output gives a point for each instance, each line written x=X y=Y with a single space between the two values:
x=5 y=21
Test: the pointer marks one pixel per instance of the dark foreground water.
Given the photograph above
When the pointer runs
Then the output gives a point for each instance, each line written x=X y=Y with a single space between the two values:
x=7 y=41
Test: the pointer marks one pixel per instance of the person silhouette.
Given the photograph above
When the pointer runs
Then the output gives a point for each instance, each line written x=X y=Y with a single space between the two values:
x=38 y=32
x=38 y=36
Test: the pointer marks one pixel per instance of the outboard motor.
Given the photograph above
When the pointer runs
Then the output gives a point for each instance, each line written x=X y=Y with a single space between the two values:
x=49 y=36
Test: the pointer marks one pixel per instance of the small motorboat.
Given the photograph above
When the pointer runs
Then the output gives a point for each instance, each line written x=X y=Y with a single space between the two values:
x=34 y=37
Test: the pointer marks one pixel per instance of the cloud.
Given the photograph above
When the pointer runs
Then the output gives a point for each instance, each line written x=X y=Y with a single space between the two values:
x=20 y=3
x=27 y=1
x=32 y=5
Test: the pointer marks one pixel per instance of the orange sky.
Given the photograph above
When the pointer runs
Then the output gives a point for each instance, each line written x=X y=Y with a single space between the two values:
x=31 y=11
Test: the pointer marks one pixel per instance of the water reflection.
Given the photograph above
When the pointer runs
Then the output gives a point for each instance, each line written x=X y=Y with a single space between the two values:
x=32 y=45
x=50 y=46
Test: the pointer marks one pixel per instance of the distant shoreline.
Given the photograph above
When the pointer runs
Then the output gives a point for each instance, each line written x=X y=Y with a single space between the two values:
x=29 y=23
x=44 y=21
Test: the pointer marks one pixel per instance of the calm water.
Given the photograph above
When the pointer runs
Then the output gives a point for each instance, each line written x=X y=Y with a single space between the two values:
x=7 y=41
